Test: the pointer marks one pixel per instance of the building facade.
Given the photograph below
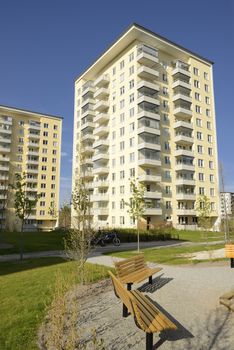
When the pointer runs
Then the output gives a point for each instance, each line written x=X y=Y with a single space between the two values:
x=227 y=204
x=30 y=143
x=145 y=110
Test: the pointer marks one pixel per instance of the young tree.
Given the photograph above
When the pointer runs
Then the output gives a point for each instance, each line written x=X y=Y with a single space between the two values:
x=78 y=240
x=65 y=216
x=52 y=211
x=225 y=219
x=204 y=209
x=3 y=204
x=23 y=205
x=136 y=205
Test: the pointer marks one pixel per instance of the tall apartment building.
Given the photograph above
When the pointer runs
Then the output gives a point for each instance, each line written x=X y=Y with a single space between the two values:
x=145 y=109
x=30 y=143
x=227 y=204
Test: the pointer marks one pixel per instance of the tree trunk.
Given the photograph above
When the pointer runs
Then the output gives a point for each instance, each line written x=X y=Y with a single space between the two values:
x=21 y=241
x=138 y=239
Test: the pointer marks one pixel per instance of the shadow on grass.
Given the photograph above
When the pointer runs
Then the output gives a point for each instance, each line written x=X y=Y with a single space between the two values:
x=9 y=267
x=157 y=283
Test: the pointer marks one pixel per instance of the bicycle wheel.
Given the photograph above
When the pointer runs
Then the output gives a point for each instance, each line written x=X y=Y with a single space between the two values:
x=116 y=241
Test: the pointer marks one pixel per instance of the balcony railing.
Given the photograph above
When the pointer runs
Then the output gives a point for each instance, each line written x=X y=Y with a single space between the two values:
x=147 y=49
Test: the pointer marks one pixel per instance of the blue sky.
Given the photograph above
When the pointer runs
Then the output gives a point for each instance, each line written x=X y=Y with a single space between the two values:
x=45 y=44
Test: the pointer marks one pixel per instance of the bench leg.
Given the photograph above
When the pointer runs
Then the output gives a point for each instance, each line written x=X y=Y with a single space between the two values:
x=150 y=280
x=232 y=262
x=125 y=311
x=149 y=341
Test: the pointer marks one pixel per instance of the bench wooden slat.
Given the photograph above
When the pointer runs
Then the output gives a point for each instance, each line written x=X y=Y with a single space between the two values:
x=140 y=276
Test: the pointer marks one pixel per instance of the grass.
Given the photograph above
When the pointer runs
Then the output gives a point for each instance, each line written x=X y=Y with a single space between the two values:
x=26 y=289
x=168 y=256
x=200 y=236
x=33 y=241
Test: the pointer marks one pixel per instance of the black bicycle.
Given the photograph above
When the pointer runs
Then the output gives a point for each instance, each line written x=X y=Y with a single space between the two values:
x=107 y=237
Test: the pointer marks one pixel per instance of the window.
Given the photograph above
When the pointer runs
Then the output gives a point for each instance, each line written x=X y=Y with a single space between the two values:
x=166 y=146
x=113 y=96
x=45 y=133
x=201 y=191
x=206 y=88
x=121 y=204
x=168 y=205
x=131 y=57
x=168 y=189
x=113 y=205
x=198 y=109
x=211 y=178
x=121 y=65
x=195 y=71
x=53 y=160
x=208 y=113
x=131 y=127
x=113 y=220
x=197 y=84
x=208 y=125
x=121 y=104
x=132 y=172
x=121 y=146
x=121 y=190
x=131 y=142
x=44 y=167
x=114 y=83
x=113 y=163
x=200 y=149
x=197 y=96
x=165 y=90
x=167 y=174
x=131 y=70
x=114 y=108
x=43 y=185
x=46 y=125
x=209 y=138
x=43 y=177
x=132 y=157
x=211 y=164
x=121 y=131
x=52 y=195
x=113 y=135
x=199 y=135
x=121 y=78
x=53 y=177
x=113 y=149
x=207 y=99
x=42 y=203
x=165 y=118
x=200 y=163
x=121 y=117
x=164 y=77
x=44 y=159
x=54 y=152
x=210 y=151
x=121 y=174
x=121 y=220
x=212 y=206
x=131 y=84
x=167 y=160
x=42 y=212
x=165 y=104
x=113 y=70
x=45 y=142
x=131 y=112
x=55 y=127
x=121 y=160
x=212 y=192
x=131 y=98
x=122 y=90
x=206 y=76
x=113 y=176
x=55 y=143
x=201 y=177
x=53 y=186
x=198 y=122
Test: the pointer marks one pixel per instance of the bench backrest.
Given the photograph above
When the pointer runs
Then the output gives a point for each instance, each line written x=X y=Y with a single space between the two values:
x=121 y=292
x=229 y=249
x=127 y=266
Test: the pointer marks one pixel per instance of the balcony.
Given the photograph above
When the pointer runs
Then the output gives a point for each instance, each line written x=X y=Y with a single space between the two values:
x=88 y=87
x=4 y=159
x=34 y=126
x=100 y=197
x=34 y=136
x=152 y=211
x=88 y=124
x=102 y=80
x=148 y=99
x=101 y=118
x=101 y=106
x=33 y=144
x=5 y=149
x=87 y=174
x=31 y=180
x=181 y=83
x=183 y=138
x=101 y=211
x=5 y=140
x=101 y=183
x=88 y=161
x=186 y=212
x=149 y=178
x=4 y=177
x=31 y=189
x=149 y=162
x=5 y=131
x=182 y=124
x=148 y=84
x=3 y=196
x=182 y=68
x=32 y=153
x=88 y=137
x=88 y=113
x=4 y=168
x=146 y=129
x=87 y=150
x=147 y=73
x=100 y=170
x=182 y=96
x=184 y=152
x=101 y=130
x=32 y=161
x=101 y=143
x=101 y=93
x=153 y=194
x=149 y=145
x=148 y=114
x=184 y=166
x=147 y=55
x=186 y=196
x=183 y=181
x=88 y=101
x=100 y=156
x=182 y=112
x=32 y=171
x=6 y=120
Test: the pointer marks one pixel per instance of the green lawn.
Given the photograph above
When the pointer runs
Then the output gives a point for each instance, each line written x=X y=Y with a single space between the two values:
x=168 y=256
x=200 y=236
x=25 y=290
x=33 y=241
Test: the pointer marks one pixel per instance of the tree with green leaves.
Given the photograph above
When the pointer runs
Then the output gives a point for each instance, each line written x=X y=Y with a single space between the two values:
x=65 y=216
x=23 y=204
x=203 y=208
x=52 y=211
x=136 y=205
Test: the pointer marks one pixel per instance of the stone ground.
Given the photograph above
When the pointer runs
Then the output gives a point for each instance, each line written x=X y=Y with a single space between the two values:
x=189 y=295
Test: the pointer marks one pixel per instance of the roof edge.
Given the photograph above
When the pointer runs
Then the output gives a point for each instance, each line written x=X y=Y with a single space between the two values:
x=33 y=112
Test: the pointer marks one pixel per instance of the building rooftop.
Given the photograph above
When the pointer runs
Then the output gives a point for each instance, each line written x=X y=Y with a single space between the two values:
x=26 y=111
x=137 y=32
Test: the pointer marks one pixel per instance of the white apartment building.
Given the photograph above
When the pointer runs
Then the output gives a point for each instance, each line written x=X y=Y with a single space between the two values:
x=145 y=110
x=227 y=203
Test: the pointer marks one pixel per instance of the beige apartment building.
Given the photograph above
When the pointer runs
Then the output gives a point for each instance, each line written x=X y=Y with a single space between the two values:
x=145 y=110
x=30 y=143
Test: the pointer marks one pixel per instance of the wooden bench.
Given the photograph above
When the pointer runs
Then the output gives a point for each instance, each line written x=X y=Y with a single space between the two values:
x=229 y=250
x=134 y=270
x=146 y=316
